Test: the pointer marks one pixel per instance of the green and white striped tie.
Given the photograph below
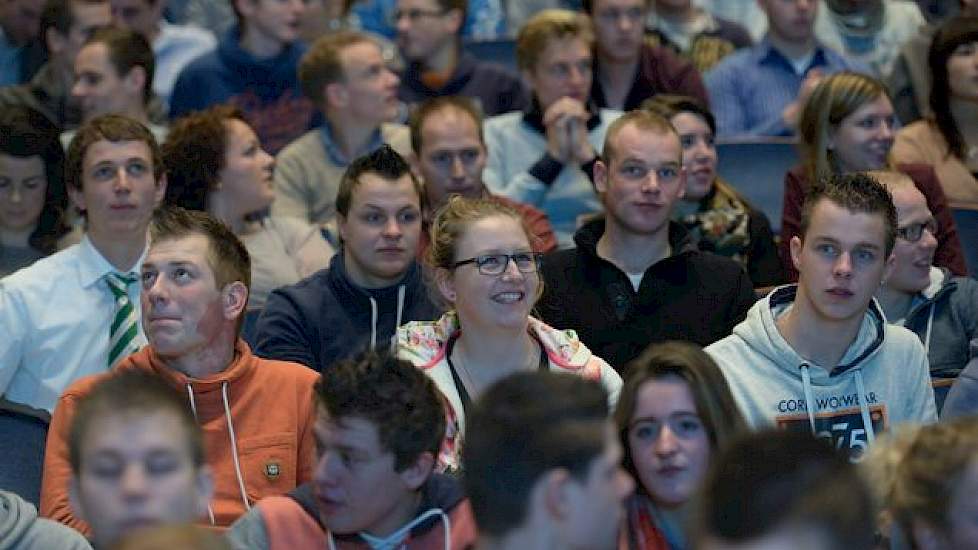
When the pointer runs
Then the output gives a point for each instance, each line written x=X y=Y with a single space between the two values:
x=123 y=332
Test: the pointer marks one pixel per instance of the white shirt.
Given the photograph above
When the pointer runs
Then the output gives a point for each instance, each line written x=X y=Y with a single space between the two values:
x=54 y=324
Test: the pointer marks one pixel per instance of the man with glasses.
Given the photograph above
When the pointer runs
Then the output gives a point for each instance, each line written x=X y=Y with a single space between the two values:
x=940 y=308
x=636 y=277
x=428 y=37
x=450 y=155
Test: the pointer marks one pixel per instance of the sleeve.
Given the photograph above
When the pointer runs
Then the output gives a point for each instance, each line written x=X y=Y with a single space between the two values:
x=310 y=251
x=948 y=252
x=281 y=334
x=611 y=382
x=291 y=198
x=920 y=394
x=14 y=332
x=763 y=262
x=306 y=465
x=529 y=186
x=56 y=479
x=721 y=83
x=962 y=399
x=248 y=532
x=794 y=191
x=540 y=227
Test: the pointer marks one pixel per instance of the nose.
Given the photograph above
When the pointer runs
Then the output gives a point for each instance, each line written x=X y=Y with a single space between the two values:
x=392 y=229
x=667 y=443
x=122 y=183
x=458 y=167
x=928 y=239
x=327 y=468
x=843 y=266
x=402 y=23
x=267 y=161
x=512 y=271
x=651 y=183
x=393 y=78
x=78 y=90
x=15 y=194
x=134 y=481
x=576 y=75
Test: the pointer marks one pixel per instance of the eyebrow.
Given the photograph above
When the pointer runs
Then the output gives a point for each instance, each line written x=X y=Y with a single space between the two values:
x=860 y=244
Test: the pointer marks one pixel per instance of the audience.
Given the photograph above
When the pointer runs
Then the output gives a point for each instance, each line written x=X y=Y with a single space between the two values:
x=345 y=75
x=628 y=69
x=543 y=156
x=450 y=156
x=428 y=38
x=256 y=414
x=76 y=312
x=22 y=529
x=253 y=68
x=848 y=126
x=717 y=216
x=761 y=91
x=215 y=164
x=636 y=276
x=696 y=33
x=379 y=426
x=33 y=199
x=488 y=332
x=20 y=21
x=542 y=465
x=747 y=13
x=674 y=414
x=818 y=355
x=371 y=286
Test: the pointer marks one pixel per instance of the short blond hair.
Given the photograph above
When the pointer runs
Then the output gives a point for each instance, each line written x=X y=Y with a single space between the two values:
x=546 y=26
x=642 y=120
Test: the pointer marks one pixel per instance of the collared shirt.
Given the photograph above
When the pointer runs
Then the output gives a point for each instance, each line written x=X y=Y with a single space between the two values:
x=749 y=89
x=54 y=323
x=334 y=152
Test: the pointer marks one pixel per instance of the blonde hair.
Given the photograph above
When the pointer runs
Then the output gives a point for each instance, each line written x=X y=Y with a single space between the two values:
x=642 y=119
x=546 y=26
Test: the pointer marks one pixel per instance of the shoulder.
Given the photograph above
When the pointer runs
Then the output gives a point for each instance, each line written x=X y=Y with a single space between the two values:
x=398 y=136
x=203 y=66
x=299 y=149
x=898 y=339
x=42 y=276
x=278 y=372
x=422 y=343
x=505 y=120
x=185 y=35
x=737 y=61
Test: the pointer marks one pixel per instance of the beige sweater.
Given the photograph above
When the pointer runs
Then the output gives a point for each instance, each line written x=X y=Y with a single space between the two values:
x=922 y=142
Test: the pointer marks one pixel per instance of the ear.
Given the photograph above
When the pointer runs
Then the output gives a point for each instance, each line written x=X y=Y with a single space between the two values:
x=341 y=226
x=55 y=42
x=601 y=176
x=446 y=284
x=556 y=494
x=74 y=499
x=235 y=300
x=415 y=475
x=888 y=266
x=135 y=79
x=794 y=247
x=160 y=192
x=455 y=19
x=681 y=187
x=205 y=489
x=336 y=95
x=77 y=197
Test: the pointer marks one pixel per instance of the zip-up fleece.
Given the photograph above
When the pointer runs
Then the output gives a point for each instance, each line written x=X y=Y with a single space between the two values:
x=882 y=379
x=257 y=410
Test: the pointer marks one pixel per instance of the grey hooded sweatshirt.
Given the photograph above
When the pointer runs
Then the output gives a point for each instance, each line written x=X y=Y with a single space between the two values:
x=881 y=381
x=21 y=529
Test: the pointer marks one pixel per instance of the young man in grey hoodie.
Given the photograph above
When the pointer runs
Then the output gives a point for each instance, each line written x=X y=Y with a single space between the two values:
x=820 y=355
x=22 y=529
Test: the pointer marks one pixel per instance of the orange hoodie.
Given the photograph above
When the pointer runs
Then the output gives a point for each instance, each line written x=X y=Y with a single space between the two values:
x=271 y=408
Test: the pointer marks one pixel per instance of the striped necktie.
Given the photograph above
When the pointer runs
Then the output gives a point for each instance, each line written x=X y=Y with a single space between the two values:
x=123 y=332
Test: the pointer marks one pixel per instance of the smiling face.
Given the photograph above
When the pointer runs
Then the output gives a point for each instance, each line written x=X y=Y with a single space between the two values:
x=911 y=260
x=619 y=26
x=862 y=141
x=669 y=444
x=699 y=154
x=452 y=157
x=563 y=69
x=369 y=87
x=23 y=185
x=247 y=174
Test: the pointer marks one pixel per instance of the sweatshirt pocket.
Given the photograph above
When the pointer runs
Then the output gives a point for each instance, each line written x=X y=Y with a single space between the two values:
x=268 y=464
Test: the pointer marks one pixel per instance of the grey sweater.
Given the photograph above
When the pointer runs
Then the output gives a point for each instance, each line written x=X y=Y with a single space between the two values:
x=21 y=529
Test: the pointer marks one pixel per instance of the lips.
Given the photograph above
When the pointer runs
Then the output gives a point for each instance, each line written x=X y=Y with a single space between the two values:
x=670 y=471
x=509 y=297
x=839 y=292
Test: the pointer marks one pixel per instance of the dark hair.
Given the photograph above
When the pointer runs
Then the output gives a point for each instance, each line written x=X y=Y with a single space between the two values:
x=587 y=6
x=522 y=427
x=194 y=154
x=113 y=128
x=58 y=15
x=954 y=32
x=715 y=404
x=127 y=50
x=436 y=105
x=856 y=192
x=26 y=133
x=227 y=255
x=126 y=392
x=384 y=162
x=771 y=480
x=393 y=395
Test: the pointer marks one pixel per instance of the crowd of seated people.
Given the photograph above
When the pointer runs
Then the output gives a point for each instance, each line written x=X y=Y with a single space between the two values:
x=259 y=294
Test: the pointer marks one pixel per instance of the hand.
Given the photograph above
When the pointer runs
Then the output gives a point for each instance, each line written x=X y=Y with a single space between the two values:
x=566 y=124
x=792 y=112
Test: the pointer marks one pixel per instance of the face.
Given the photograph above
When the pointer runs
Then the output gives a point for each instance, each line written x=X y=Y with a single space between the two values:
x=87 y=18
x=23 y=186
x=20 y=19
x=642 y=181
x=619 y=26
x=274 y=20
x=911 y=260
x=963 y=511
x=962 y=72
x=119 y=190
x=247 y=174
x=381 y=231
x=141 y=16
x=563 y=69
x=841 y=261
x=452 y=157
x=183 y=310
x=99 y=88
x=699 y=154
x=370 y=88
x=862 y=141
x=356 y=486
x=137 y=470
x=491 y=301
x=423 y=28
x=790 y=20
x=669 y=443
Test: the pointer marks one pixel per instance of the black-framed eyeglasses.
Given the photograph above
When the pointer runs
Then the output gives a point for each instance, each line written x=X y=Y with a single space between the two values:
x=913 y=233
x=414 y=14
x=496 y=264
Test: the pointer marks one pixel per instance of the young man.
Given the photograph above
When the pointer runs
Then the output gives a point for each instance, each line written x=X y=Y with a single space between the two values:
x=346 y=76
x=543 y=465
x=869 y=31
x=760 y=91
x=819 y=356
x=253 y=68
x=256 y=414
x=428 y=37
x=450 y=155
x=379 y=426
x=20 y=21
x=174 y=46
x=542 y=156
x=940 y=309
x=636 y=277
x=76 y=312
x=137 y=458
x=628 y=69
x=371 y=287
x=695 y=33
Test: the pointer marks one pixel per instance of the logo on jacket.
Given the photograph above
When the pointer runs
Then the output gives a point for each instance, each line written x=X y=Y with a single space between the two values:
x=272 y=470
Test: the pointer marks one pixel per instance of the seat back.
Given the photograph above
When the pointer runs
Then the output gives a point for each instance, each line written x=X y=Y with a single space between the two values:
x=23 y=433
x=967 y=222
x=757 y=168
x=502 y=52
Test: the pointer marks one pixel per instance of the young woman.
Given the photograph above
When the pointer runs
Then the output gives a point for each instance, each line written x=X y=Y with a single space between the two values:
x=847 y=125
x=674 y=413
x=487 y=272
x=215 y=163
x=719 y=218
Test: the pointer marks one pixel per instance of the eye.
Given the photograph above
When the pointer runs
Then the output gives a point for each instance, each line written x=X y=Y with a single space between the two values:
x=104 y=173
x=4 y=182
x=633 y=171
x=148 y=278
x=181 y=274
x=441 y=158
x=687 y=140
x=372 y=218
x=645 y=431
x=667 y=173
x=409 y=216
x=826 y=249
x=490 y=261
x=865 y=255
x=136 y=169
x=690 y=425
x=106 y=468
x=469 y=156
x=162 y=464
x=33 y=183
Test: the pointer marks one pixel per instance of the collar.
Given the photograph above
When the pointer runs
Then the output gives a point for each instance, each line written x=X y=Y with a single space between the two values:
x=533 y=116
x=333 y=150
x=586 y=238
x=92 y=265
x=240 y=365
x=766 y=53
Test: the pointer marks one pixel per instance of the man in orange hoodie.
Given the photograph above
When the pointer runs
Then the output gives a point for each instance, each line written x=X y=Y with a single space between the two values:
x=256 y=414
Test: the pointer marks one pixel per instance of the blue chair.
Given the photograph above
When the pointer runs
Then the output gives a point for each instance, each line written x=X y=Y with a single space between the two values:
x=497 y=51
x=23 y=431
x=757 y=168
x=967 y=222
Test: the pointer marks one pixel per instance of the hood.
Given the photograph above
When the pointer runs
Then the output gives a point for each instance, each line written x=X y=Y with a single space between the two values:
x=16 y=518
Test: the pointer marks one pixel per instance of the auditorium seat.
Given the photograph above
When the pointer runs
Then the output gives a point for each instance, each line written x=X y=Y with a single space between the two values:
x=967 y=222
x=23 y=431
x=497 y=51
x=756 y=168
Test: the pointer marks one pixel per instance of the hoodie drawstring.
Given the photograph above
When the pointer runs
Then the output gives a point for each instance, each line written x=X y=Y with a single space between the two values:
x=400 y=311
x=806 y=382
x=394 y=540
x=864 y=408
x=193 y=409
x=373 y=323
x=930 y=325
x=234 y=446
